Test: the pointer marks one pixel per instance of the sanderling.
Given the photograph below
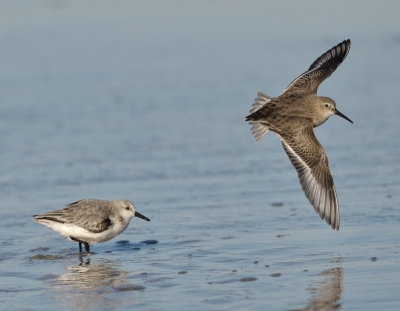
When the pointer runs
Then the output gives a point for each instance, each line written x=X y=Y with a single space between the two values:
x=91 y=220
x=292 y=116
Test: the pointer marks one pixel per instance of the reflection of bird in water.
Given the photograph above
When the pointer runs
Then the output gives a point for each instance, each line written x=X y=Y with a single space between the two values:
x=87 y=275
x=326 y=293
x=88 y=285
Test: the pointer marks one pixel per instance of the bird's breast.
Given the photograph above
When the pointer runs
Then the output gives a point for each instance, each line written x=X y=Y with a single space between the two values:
x=319 y=120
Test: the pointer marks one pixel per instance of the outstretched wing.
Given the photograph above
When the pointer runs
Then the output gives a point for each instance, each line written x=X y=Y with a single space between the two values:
x=89 y=214
x=311 y=163
x=322 y=68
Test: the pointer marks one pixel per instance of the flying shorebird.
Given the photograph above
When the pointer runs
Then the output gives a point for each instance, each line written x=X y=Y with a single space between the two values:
x=91 y=220
x=292 y=116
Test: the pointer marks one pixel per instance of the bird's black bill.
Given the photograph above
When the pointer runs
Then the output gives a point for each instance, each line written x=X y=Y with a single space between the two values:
x=141 y=216
x=342 y=115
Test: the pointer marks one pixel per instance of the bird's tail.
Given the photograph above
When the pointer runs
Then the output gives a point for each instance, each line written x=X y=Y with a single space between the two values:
x=258 y=129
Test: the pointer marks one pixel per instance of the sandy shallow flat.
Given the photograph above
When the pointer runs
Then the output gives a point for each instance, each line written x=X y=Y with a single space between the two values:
x=147 y=102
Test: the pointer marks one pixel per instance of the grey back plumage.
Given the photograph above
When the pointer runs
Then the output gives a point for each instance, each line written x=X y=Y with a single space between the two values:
x=90 y=214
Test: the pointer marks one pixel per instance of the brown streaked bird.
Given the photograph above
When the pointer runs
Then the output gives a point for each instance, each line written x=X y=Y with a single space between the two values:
x=91 y=220
x=292 y=116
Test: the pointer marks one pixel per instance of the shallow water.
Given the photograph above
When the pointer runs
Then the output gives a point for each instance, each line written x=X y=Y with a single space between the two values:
x=147 y=102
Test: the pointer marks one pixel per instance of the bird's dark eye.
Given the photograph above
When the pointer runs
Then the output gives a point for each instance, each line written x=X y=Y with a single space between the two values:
x=326 y=105
x=127 y=208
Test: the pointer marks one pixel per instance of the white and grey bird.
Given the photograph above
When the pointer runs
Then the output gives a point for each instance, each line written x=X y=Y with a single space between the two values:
x=91 y=220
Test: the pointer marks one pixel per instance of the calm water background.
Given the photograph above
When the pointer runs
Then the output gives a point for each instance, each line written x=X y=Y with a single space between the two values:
x=146 y=100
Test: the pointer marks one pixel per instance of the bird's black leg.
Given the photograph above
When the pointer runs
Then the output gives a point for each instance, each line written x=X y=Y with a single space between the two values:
x=87 y=246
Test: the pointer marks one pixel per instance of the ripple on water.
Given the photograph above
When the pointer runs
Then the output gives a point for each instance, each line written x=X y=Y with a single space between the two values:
x=226 y=281
x=275 y=275
x=128 y=287
x=48 y=276
x=44 y=249
x=149 y=242
x=248 y=279
x=47 y=257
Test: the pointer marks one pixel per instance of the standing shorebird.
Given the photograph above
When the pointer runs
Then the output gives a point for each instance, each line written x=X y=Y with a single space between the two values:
x=91 y=220
x=292 y=116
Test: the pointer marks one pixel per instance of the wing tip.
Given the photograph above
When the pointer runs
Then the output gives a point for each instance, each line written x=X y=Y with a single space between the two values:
x=334 y=224
x=339 y=52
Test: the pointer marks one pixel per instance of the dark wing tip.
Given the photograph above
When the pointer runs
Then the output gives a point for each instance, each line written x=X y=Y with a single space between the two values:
x=322 y=67
x=73 y=203
x=335 y=225
x=333 y=57
x=55 y=219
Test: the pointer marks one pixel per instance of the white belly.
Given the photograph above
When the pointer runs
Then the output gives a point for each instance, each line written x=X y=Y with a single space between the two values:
x=79 y=233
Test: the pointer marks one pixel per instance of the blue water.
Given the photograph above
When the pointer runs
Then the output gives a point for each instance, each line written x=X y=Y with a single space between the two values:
x=146 y=101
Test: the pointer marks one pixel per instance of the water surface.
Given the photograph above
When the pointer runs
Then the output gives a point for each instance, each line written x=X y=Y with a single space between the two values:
x=147 y=102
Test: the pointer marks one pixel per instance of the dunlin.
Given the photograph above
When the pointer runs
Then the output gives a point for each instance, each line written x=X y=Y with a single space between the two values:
x=91 y=220
x=292 y=116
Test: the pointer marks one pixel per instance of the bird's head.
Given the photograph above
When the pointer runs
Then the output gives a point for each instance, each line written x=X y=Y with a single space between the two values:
x=327 y=107
x=127 y=209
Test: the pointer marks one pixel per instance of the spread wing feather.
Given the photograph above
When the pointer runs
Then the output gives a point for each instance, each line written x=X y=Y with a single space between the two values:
x=311 y=163
x=321 y=68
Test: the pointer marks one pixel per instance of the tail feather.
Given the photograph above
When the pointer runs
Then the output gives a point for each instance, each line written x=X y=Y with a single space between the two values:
x=258 y=129
x=260 y=101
